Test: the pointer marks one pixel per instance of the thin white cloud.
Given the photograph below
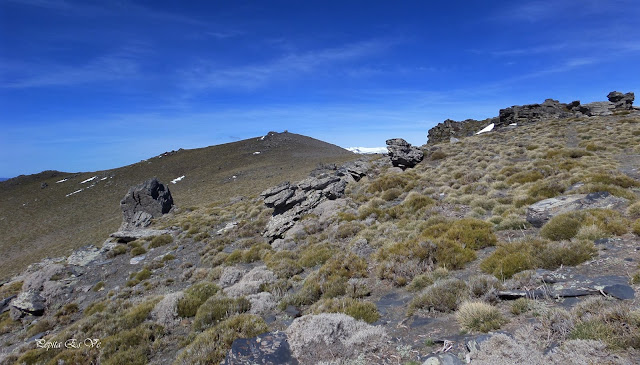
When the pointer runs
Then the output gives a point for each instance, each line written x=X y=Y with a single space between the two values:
x=116 y=66
x=208 y=76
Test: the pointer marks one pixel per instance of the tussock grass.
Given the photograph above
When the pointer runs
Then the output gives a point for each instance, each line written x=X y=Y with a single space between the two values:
x=478 y=316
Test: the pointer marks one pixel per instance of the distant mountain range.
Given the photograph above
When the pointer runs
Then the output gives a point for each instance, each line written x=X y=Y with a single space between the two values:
x=4 y=178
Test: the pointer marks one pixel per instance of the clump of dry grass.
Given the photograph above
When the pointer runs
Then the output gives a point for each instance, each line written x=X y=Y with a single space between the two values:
x=479 y=317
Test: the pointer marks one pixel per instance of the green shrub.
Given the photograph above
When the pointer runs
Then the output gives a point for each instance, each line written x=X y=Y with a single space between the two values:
x=524 y=177
x=348 y=229
x=365 y=311
x=424 y=280
x=194 y=296
x=511 y=258
x=561 y=227
x=634 y=210
x=284 y=263
x=545 y=189
x=437 y=155
x=636 y=227
x=479 y=316
x=161 y=240
x=95 y=307
x=471 y=233
x=117 y=250
x=390 y=181
x=416 y=201
x=314 y=255
x=391 y=194
x=443 y=296
x=620 y=180
x=452 y=255
x=401 y=261
x=522 y=305
x=211 y=346
x=218 y=308
x=136 y=251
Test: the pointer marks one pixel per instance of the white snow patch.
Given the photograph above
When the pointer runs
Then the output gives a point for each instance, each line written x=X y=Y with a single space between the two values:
x=177 y=179
x=262 y=138
x=256 y=153
x=368 y=150
x=61 y=181
x=234 y=177
x=75 y=192
x=89 y=179
x=488 y=128
x=514 y=124
x=104 y=178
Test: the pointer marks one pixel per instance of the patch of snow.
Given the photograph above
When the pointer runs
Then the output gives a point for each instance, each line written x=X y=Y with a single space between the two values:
x=75 y=192
x=262 y=138
x=177 y=179
x=256 y=153
x=488 y=128
x=367 y=150
x=89 y=179
x=136 y=260
x=514 y=124
x=104 y=178
x=234 y=177
x=61 y=181
x=227 y=227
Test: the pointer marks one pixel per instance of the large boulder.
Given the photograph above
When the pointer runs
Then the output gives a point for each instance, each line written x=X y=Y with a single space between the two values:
x=620 y=100
x=533 y=112
x=27 y=303
x=402 y=154
x=267 y=348
x=143 y=202
x=539 y=213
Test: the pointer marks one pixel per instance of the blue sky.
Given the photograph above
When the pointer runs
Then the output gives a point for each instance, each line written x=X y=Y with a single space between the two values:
x=89 y=85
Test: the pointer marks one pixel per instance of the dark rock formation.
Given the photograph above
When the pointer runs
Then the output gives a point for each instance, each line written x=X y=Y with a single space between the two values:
x=402 y=154
x=292 y=201
x=539 y=213
x=451 y=129
x=143 y=202
x=620 y=100
x=534 y=112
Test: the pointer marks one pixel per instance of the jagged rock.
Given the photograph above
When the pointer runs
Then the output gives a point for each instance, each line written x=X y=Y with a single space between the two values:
x=317 y=183
x=356 y=170
x=279 y=199
x=539 y=213
x=268 y=348
x=443 y=132
x=403 y=154
x=620 y=100
x=332 y=336
x=597 y=108
x=27 y=302
x=4 y=303
x=143 y=202
x=44 y=185
x=533 y=112
x=35 y=280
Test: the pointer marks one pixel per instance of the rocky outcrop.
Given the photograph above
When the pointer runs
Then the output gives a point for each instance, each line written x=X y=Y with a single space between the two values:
x=443 y=132
x=534 y=112
x=539 y=213
x=403 y=154
x=620 y=100
x=291 y=201
x=27 y=303
x=450 y=130
x=143 y=202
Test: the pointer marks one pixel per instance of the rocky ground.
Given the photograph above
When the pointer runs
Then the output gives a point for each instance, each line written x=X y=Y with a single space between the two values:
x=520 y=245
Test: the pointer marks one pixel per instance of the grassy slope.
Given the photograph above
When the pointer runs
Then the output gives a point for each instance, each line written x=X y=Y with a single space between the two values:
x=37 y=222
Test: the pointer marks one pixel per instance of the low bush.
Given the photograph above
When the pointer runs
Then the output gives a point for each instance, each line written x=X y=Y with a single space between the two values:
x=216 y=309
x=443 y=296
x=561 y=227
x=424 y=280
x=401 y=262
x=284 y=263
x=365 y=311
x=159 y=241
x=479 y=317
x=194 y=297
x=211 y=346
x=511 y=258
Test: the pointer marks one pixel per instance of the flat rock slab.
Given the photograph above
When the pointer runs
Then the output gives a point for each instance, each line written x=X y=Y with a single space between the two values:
x=620 y=291
x=134 y=234
x=83 y=256
x=268 y=348
x=539 y=213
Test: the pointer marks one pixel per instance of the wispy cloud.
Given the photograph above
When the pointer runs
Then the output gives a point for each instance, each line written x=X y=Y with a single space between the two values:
x=20 y=75
x=207 y=75
x=542 y=10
